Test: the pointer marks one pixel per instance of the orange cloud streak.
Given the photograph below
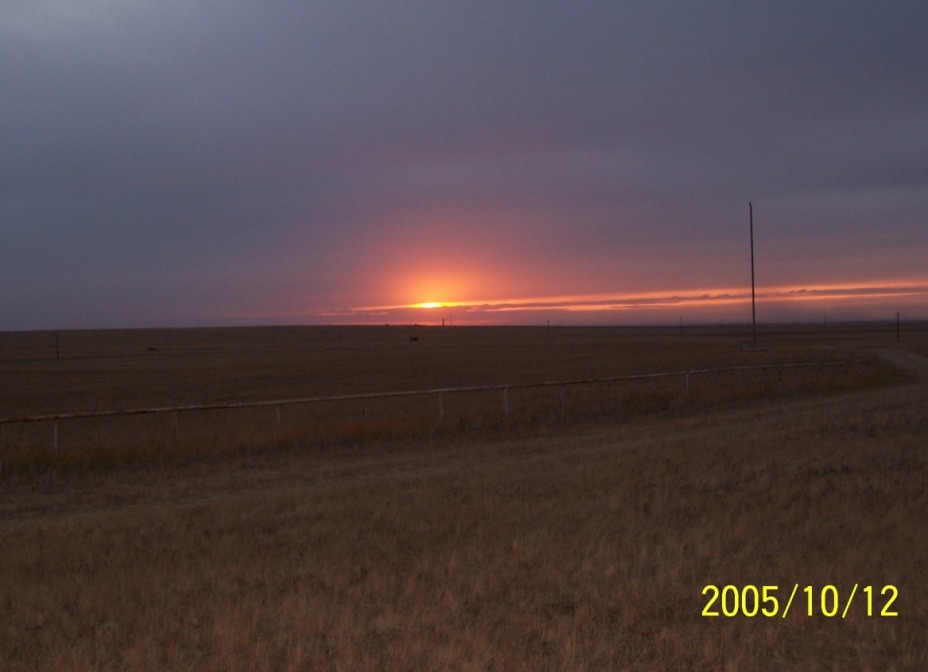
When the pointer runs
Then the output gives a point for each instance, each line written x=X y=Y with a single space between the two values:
x=650 y=302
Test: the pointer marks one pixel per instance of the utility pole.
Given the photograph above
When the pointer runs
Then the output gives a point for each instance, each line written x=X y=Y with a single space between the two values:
x=753 y=308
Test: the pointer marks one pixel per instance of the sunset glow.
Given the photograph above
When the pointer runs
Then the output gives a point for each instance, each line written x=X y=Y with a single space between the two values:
x=847 y=301
x=565 y=163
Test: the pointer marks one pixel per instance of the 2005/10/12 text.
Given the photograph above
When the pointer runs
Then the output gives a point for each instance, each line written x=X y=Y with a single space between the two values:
x=751 y=601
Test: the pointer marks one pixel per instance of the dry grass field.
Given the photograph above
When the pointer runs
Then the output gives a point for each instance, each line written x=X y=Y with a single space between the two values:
x=116 y=370
x=578 y=535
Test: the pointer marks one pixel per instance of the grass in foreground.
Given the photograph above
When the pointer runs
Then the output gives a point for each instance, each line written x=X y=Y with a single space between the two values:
x=481 y=549
x=576 y=552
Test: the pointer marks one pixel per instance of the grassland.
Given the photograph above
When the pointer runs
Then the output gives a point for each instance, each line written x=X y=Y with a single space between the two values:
x=576 y=538
x=93 y=371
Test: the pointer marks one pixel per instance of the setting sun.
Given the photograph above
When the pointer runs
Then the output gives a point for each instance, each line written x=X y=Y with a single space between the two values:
x=429 y=304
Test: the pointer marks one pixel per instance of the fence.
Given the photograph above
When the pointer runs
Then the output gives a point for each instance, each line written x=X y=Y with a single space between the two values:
x=438 y=393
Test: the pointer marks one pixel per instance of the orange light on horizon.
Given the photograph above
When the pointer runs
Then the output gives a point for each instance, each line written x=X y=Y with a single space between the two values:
x=430 y=291
x=709 y=299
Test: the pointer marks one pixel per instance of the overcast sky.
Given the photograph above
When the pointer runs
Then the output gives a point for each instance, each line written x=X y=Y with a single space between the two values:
x=183 y=162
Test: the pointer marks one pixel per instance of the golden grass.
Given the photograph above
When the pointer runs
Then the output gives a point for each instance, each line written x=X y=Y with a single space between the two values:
x=103 y=369
x=118 y=370
x=585 y=549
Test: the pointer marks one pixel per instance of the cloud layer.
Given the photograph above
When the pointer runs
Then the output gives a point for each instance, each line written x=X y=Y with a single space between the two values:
x=191 y=162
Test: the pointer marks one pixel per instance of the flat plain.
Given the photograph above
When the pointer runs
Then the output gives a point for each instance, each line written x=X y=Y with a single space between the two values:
x=576 y=532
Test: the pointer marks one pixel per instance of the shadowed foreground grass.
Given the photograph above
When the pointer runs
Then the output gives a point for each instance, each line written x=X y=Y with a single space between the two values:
x=579 y=538
x=583 y=551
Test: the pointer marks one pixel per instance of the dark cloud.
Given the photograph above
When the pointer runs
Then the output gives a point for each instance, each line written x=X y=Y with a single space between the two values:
x=283 y=158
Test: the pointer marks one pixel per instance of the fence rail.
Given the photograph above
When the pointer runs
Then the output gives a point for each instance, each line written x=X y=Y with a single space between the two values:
x=684 y=374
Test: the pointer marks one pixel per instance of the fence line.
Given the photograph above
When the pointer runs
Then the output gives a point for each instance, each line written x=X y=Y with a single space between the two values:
x=407 y=393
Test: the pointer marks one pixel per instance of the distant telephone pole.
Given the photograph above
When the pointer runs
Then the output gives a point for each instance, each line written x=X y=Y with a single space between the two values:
x=753 y=307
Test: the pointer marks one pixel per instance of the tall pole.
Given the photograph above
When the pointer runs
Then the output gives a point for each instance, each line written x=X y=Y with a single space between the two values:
x=753 y=308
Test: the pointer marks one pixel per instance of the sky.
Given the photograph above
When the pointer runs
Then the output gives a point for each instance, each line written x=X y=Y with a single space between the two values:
x=186 y=163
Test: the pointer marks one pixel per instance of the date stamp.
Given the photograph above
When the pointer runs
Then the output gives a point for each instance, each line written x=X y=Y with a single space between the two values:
x=750 y=601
